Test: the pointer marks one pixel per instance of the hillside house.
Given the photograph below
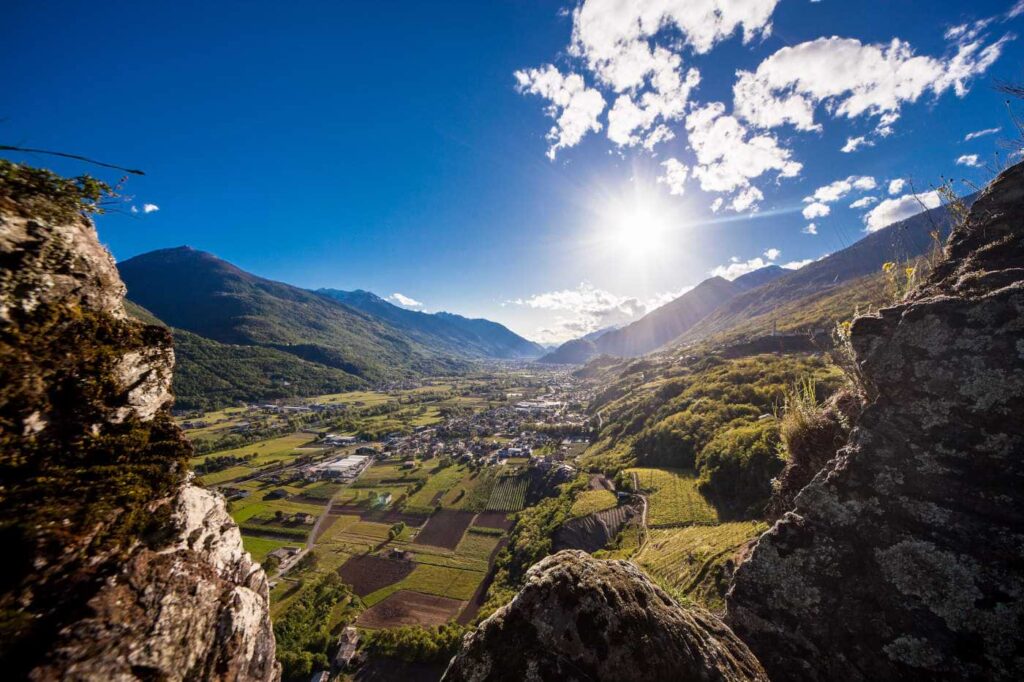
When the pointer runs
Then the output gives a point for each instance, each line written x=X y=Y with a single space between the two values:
x=348 y=642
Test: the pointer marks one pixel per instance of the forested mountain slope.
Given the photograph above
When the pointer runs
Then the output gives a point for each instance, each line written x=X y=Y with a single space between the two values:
x=200 y=293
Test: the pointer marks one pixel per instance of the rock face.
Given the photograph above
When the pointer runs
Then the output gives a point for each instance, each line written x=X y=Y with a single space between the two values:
x=117 y=567
x=580 y=618
x=904 y=557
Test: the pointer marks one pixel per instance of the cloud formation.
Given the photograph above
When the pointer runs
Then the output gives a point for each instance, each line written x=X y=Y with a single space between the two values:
x=582 y=310
x=982 y=133
x=675 y=175
x=404 y=301
x=900 y=208
x=729 y=157
x=816 y=210
x=853 y=79
x=863 y=202
x=855 y=143
x=736 y=267
x=969 y=160
x=573 y=105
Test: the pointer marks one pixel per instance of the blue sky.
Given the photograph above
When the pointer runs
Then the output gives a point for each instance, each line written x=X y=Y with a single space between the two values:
x=393 y=147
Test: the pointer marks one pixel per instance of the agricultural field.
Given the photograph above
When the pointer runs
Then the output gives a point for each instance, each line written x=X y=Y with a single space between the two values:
x=259 y=548
x=410 y=608
x=509 y=494
x=591 y=501
x=690 y=560
x=415 y=536
x=438 y=483
x=270 y=451
x=445 y=529
x=673 y=498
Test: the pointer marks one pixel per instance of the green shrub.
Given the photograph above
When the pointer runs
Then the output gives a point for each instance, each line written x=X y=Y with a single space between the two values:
x=302 y=632
x=737 y=468
x=418 y=644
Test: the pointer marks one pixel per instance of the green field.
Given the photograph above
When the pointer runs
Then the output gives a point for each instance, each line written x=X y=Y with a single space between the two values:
x=673 y=498
x=442 y=581
x=259 y=548
x=472 y=492
x=509 y=494
x=438 y=483
x=591 y=501
x=477 y=545
x=689 y=559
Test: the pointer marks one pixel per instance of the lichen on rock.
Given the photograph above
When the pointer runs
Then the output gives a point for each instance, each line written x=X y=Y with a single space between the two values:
x=580 y=618
x=903 y=558
x=118 y=567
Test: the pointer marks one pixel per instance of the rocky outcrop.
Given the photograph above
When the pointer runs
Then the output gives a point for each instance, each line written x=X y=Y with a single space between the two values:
x=118 y=568
x=903 y=558
x=580 y=618
x=196 y=608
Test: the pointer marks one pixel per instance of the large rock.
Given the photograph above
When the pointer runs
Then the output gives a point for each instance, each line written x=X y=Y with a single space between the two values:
x=116 y=568
x=580 y=618
x=904 y=557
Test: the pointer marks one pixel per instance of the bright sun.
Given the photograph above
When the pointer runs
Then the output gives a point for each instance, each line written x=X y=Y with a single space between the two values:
x=639 y=224
x=639 y=231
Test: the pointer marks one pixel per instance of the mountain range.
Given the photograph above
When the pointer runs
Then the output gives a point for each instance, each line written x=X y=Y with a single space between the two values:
x=772 y=299
x=240 y=337
x=228 y=322
x=455 y=334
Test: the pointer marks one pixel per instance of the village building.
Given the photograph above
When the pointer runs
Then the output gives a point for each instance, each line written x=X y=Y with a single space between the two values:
x=348 y=643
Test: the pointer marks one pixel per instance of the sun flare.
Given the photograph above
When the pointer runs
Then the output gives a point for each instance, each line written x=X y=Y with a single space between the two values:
x=639 y=225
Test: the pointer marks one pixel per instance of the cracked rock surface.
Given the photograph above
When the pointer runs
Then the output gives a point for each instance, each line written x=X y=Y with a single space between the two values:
x=117 y=568
x=904 y=557
x=580 y=618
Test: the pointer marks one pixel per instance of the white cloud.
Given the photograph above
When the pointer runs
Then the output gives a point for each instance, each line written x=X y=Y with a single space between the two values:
x=630 y=120
x=855 y=143
x=810 y=229
x=1017 y=9
x=835 y=191
x=573 y=105
x=816 y=210
x=404 y=300
x=981 y=133
x=150 y=208
x=896 y=186
x=854 y=79
x=901 y=208
x=737 y=267
x=796 y=264
x=134 y=209
x=675 y=176
x=734 y=270
x=864 y=202
x=746 y=199
x=582 y=310
x=969 y=160
x=613 y=36
x=728 y=157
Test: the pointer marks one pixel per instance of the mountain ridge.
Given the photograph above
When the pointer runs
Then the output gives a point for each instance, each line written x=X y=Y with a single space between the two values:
x=460 y=335
x=197 y=292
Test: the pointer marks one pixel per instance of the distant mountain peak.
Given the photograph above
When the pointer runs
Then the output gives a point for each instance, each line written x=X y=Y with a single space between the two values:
x=460 y=335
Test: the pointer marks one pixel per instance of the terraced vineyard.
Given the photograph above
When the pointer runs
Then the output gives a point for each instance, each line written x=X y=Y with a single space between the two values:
x=591 y=501
x=509 y=494
x=673 y=498
x=692 y=559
